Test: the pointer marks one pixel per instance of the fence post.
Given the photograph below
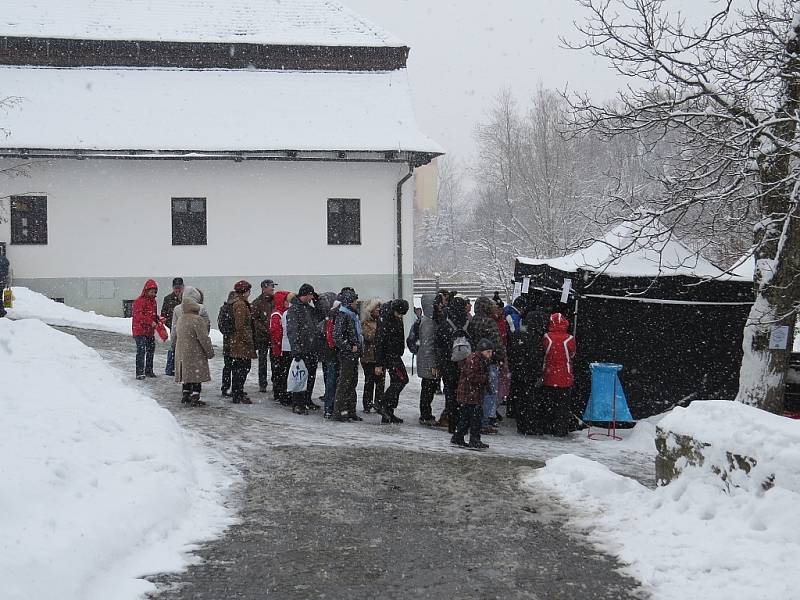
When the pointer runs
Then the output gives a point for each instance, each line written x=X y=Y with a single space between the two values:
x=436 y=278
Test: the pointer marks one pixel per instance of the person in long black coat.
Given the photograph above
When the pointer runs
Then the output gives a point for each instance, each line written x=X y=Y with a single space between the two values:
x=454 y=322
x=526 y=359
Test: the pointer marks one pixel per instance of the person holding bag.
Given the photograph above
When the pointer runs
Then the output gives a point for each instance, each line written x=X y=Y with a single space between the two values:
x=301 y=327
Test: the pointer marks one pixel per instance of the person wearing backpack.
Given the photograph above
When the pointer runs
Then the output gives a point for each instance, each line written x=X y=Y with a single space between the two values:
x=451 y=346
x=373 y=384
x=473 y=385
x=389 y=349
x=242 y=348
x=281 y=351
x=226 y=328
x=426 y=360
x=484 y=326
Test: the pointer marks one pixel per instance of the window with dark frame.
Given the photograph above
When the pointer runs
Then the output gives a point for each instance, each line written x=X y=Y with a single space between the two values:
x=344 y=221
x=29 y=219
x=189 y=222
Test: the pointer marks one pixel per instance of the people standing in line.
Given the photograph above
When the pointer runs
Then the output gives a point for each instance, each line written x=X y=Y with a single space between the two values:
x=281 y=350
x=328 y=355
x=484 y=326
x=426 y=360
x=227 y=359
x=453 y=330
x=559 y=350
x=473 y=386
x=143 y=326
x=193 y=347
x=373 y=384
x=349 y=340
x=301 y=327
x=243 y=348
x=168 y=305
x=389 y=349
x=262 y=308
x=525 y=359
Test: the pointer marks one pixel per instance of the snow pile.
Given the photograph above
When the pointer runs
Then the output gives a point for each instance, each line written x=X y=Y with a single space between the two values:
x=696 y=537
x=33 y=305
x=100 y=484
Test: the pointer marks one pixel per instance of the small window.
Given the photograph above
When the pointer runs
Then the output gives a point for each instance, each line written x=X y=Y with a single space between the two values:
x=344 y=221
x=28 y=219
x=189 y=222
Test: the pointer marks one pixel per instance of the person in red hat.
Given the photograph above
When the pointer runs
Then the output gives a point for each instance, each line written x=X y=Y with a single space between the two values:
x=143 y=326
x=242 y=345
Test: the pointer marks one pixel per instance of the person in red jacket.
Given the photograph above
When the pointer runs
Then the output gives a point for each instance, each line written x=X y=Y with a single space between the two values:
x=143 y=326
x=559 y=350
x=280 y=353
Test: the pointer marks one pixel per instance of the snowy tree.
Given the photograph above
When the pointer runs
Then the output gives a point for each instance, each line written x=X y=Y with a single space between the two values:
x=727 y=91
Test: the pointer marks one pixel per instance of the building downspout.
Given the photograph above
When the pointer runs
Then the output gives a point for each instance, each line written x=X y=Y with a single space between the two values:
x=399 y=217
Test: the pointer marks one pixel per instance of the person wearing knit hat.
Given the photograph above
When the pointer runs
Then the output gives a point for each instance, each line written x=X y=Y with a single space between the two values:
x=473 y=385
x=304 y=338
x=169 y=304
x=240 y=287
x=306 y=291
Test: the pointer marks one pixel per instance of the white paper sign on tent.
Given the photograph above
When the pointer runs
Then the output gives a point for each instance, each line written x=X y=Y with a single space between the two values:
x=779 y=338
x=526 y=284
x=517 y=290
x=565 y=291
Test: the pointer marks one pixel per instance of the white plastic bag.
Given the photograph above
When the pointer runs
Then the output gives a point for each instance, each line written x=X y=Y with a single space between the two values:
x=298 y=377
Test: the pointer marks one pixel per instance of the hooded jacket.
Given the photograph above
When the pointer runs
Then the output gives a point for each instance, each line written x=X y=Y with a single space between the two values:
x=145 y=312
x=455 y=319
x=347 y=332
x=301 y=327
x=390 y=340
x=559 y=350
x=192 y=343
x=177 y=313
x=276 y=332
x=369 y=329
x=426 y=351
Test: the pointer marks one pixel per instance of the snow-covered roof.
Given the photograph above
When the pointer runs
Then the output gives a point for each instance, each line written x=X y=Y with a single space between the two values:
x=293 y=22
x=631 y=249
x=223 y=110
x=745 y=267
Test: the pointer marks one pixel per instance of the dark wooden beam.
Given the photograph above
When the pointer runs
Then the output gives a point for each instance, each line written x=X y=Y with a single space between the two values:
x=58 y=52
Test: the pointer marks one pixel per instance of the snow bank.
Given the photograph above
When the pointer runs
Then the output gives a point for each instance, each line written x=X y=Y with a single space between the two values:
x=33 y=305
x=697 y=537
x=100 y=484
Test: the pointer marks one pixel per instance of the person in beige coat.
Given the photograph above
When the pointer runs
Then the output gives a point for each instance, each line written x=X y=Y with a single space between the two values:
x=192 y=346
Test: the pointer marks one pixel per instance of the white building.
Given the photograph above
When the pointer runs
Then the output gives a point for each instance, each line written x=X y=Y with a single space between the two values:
x=210 y=139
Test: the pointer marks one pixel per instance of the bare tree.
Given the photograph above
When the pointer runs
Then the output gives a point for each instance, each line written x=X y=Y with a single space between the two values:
x=726 y=92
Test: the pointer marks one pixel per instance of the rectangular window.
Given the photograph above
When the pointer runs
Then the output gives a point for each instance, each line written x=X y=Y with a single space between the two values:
x=344 y=221
x=189 y=222
x=28 y=219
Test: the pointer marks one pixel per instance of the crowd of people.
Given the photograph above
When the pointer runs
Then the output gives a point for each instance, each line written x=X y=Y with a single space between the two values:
x=483 y=356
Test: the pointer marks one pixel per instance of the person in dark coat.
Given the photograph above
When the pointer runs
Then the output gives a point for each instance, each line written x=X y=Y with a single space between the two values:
x=525 y=358
x=168 y=306
x=349 y=341
x=242 y=346
x=389 y=348
x=227 y=360
x=557 y=381
x=484 y=326
x=5 y=268
x=455 y=322
x=143 y=326
x=262 y=308
x=301 y=328
x=473 y=384
x=328 y=355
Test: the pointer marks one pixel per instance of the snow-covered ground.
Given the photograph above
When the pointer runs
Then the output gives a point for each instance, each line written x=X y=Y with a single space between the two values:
x=100 y=485
x=33 y=305
x=697 y=537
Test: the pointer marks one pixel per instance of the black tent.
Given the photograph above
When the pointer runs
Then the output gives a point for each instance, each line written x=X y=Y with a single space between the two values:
x=678 y=334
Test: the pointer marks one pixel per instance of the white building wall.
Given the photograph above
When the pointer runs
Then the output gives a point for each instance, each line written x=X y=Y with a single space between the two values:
x=111 y=219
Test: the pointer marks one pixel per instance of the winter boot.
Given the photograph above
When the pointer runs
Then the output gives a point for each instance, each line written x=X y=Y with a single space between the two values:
x=457 y=441
x=477 y=444
x=196 y=400
x=186 y=398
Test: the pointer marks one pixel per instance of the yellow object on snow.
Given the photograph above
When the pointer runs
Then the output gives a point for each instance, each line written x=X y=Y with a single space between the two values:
x=8 y=298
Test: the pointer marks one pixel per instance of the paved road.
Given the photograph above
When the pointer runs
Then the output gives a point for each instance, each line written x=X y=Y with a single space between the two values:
x=339 y=522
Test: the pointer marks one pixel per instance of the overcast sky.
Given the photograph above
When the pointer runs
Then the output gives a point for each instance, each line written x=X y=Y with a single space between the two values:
x=463 y=52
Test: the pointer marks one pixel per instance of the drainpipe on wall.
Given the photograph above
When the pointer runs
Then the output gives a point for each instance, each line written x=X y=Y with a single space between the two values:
x=399 y=218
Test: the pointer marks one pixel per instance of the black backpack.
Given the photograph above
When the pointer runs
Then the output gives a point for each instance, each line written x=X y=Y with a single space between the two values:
x=225 y=320
x=412 y=341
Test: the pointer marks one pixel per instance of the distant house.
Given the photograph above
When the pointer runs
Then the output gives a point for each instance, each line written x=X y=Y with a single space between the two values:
x=212 y=139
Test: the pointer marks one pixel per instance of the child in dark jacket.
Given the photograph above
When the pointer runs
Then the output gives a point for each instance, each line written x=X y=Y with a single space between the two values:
x=472 y=387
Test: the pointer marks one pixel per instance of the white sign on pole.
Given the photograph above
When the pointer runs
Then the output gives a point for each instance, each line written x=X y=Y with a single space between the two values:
x=526 y=284
x=779 y=338
x=565 y=291
x=517 y=290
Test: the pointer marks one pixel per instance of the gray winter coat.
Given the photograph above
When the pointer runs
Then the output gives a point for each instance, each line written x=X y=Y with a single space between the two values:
x=192 y=344
x=426 y=352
